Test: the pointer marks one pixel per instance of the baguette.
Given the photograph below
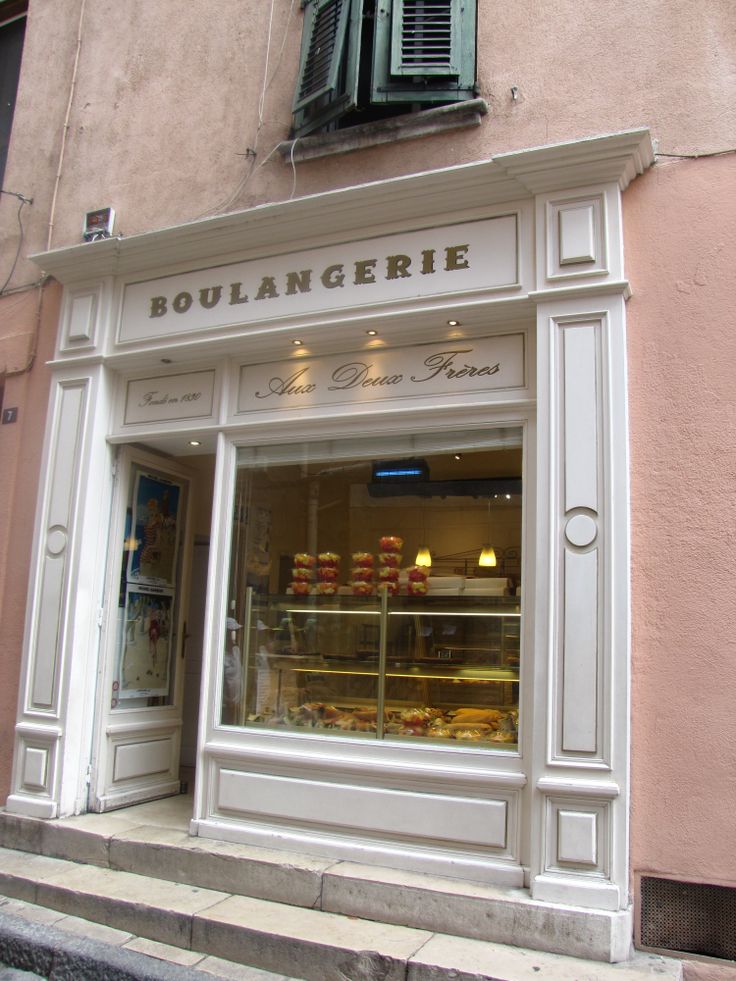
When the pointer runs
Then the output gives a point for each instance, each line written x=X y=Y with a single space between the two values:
x=471 y=716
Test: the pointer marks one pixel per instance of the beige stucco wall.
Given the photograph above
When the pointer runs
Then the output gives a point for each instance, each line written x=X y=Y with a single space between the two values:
x=680 y=226
x=169 y=96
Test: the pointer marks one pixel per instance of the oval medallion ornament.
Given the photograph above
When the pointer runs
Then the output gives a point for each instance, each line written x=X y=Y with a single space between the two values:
x=56 y=541
x=581 y=530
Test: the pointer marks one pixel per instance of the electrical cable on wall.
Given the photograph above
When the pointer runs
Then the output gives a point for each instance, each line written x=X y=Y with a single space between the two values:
x=251 y=152
x=696 y=156
x=72 y=86
x=23 y=201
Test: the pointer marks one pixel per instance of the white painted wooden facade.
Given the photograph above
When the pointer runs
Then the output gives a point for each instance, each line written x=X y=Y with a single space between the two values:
x=552 y=818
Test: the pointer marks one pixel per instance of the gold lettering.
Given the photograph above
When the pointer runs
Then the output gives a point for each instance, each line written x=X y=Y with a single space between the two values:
x=182 y=301
x=210 y=296
x=158 y=306
x=427 y=261
x=397 y=266
x=455 y=258
x=235 y=294
x=333 y=276
x=299 y=282
x=364 y=271
x=267 y=290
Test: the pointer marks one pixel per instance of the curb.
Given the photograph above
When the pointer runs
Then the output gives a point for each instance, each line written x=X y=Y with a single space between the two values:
x=59 y=956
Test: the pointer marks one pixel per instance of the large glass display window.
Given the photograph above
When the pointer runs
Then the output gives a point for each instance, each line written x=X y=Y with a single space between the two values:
x=375 y=589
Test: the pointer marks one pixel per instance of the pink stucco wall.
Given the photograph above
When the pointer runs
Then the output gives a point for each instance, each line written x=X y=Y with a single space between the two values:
x=168 y=98
x=160 y=119
x=20 y=459
x=680 y=227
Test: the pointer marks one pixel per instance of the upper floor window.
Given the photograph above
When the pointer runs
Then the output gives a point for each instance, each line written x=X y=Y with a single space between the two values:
x=12 y=31
x=363 y=60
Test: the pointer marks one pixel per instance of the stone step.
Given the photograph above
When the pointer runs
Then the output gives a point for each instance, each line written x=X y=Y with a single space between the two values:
x=313 y=944
x=128 y=841
x=53 y=944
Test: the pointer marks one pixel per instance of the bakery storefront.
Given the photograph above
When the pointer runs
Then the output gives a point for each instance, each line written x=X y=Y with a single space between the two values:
x=335 y=517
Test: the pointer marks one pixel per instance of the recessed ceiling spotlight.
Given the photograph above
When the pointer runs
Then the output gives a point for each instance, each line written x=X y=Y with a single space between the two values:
x=453 y=323
x=371 y=333
x=297 y=343
x=165 y=360
x=195 y=442
x=458 y=456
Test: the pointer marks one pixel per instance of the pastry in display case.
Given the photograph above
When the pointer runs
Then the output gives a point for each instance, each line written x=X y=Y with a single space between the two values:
x=383 y=666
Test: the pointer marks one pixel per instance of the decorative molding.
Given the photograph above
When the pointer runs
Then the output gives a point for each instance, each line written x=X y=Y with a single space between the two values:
x=590 y=891
x=578 y=711
x=36 y=768
x=578 y=290
x=615 y=158
x=80 y=319
x=31 y=806
x=267 y=753
x=416 y=817
x=145 y=758
x=36 y=753
x=578 y=235
x=577 y=837
x=578 y=787
x=63 y=469
x=576 y=238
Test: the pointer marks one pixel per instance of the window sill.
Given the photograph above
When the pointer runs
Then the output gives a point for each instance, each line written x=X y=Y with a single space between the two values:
x=409 y=127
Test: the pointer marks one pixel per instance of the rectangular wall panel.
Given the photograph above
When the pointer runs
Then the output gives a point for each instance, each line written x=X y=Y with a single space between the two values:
x=484 y=822
x=580 y=416
x=142 y=759
x=580 y=641
x=54 y=562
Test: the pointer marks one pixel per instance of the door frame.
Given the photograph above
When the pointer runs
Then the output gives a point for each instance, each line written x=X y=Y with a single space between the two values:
x=135 y=754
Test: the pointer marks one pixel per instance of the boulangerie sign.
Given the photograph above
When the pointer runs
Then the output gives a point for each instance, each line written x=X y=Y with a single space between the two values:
x=450 y=368
x=452 y=259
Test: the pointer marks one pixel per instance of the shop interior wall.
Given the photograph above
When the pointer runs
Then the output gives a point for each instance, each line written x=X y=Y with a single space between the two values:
x=176 y=109
x=349 y=519
x=203 y=479
x=680 y=224
x=25 y=327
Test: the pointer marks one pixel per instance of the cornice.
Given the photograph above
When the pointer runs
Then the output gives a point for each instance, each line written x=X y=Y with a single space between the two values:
x=425 y=198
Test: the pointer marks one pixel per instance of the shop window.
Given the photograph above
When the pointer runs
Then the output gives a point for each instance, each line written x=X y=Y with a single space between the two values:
x=363 y=60
x=335 y=627
x=12 y=32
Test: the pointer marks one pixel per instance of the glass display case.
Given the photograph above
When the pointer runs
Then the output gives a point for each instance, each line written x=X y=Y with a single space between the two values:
x=437 y=668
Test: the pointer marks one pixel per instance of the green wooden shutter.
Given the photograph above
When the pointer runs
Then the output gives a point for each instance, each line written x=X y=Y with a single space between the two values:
x=327 y=82
x=422 y=39
x=424 y=51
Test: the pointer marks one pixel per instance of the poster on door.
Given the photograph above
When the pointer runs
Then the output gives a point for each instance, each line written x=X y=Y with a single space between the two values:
x=152 y=554
x=146 y=642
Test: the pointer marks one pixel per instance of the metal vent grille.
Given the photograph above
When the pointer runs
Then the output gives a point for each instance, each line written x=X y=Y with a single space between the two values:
x=426 y=34
x=687 y=916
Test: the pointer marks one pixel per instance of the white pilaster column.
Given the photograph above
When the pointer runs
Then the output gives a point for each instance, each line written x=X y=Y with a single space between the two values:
x=579 y=852
x=59 y=670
